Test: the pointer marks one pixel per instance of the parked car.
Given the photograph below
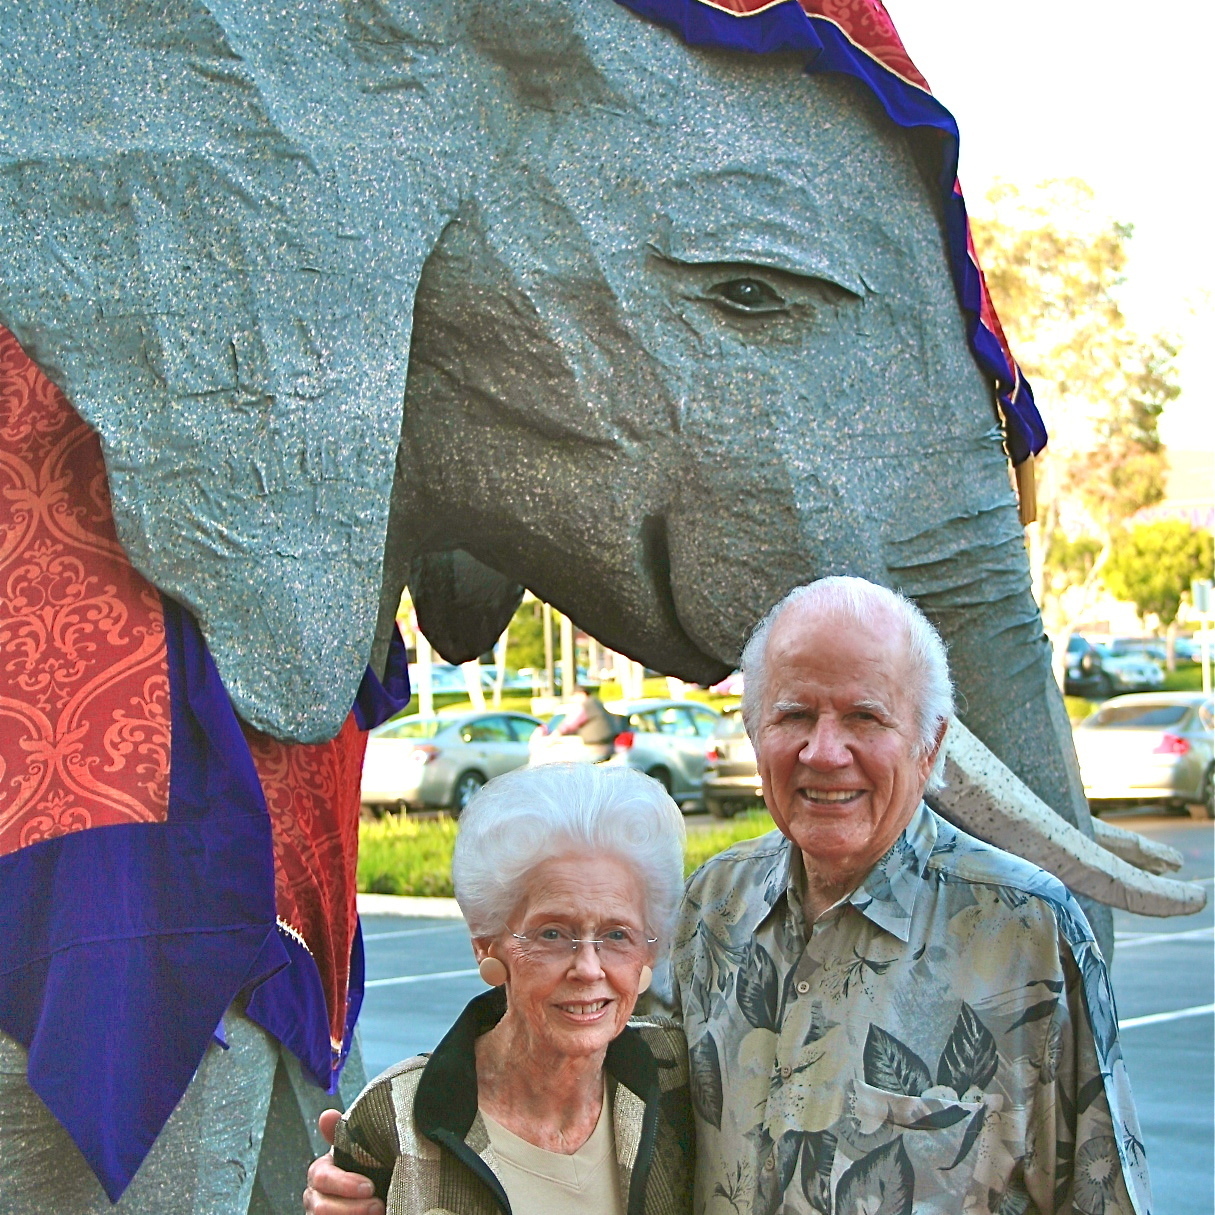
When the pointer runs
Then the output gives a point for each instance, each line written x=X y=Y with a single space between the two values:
x=1085 y=674
x=1100 y=669
x=1150 y=647
x=1189 y=649
x=1149 y=748
x=665 y=739
x=1130 y=671
x=731 y=780
x=443 y=677
x=415 y=763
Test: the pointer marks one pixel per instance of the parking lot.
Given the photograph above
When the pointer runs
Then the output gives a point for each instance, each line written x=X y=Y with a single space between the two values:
x=420 y=974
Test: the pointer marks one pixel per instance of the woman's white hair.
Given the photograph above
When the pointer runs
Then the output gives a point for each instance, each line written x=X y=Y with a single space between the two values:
x=531 y=815
x=860 y=602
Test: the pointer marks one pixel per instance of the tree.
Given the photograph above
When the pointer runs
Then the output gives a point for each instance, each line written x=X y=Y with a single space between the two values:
x=1054 y=267
x=1152 y=566
x=527 y=636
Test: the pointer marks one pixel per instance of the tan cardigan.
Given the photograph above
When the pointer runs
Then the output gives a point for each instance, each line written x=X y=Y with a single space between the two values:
x=416 y=1131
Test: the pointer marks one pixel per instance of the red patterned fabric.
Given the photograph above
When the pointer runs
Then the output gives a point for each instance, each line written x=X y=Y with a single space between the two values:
x=84 y=683
x=85 y=725
x=312 y=790
x=867 y=24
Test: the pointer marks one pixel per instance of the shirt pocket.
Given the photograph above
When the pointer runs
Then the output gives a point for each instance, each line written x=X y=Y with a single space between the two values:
x=930 y=1146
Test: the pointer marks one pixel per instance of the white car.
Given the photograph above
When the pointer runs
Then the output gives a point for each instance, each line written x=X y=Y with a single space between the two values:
x=415 y=763
x=1149 y=748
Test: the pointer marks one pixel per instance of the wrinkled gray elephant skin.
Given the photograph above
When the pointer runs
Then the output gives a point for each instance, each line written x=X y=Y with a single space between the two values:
x=683 y=336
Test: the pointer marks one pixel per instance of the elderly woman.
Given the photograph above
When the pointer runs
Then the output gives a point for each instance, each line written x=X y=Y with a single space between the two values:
x=543 y=1099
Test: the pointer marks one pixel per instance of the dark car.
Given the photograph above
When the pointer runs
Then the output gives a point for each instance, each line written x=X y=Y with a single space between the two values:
x=1085 y=674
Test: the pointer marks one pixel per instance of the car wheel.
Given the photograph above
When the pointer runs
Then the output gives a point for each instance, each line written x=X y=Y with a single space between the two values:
x=662 y=776
x=466 y=786
x=1105 y=685
x=719 y=809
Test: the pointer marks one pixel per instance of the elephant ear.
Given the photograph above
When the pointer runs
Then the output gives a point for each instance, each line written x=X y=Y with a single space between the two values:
x=240 y=338
x=462 y=605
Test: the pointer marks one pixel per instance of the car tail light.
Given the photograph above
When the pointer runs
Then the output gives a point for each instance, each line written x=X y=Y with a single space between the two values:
x=713 y=754
x=423 y=754
x=1171 y=744
x=624 y=740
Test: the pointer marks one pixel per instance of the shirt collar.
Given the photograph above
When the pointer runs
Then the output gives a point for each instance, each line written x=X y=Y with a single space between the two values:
x=446 y=1100
x=887 y=895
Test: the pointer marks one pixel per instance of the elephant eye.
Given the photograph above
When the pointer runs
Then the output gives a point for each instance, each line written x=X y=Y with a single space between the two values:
x=748 y=295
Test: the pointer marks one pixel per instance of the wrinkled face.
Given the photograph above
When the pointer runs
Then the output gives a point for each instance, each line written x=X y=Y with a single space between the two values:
x=838 y=743
x=574 y=1005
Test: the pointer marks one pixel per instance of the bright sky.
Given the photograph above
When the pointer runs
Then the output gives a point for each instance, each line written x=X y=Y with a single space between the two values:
x=1118 y=95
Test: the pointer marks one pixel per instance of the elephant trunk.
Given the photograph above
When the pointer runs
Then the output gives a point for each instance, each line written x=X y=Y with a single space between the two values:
x=983 y=797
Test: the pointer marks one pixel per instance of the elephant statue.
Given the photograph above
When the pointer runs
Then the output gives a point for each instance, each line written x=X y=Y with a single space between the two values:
x=531 y=293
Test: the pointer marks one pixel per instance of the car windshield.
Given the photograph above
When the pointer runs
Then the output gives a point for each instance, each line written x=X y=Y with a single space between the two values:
x=1138 y=716
x=410 y=727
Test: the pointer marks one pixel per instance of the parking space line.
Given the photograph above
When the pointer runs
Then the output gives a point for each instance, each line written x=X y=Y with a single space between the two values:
x=399 y=980
x=1153 y=938
x=413 y=932
x=1157 y=1018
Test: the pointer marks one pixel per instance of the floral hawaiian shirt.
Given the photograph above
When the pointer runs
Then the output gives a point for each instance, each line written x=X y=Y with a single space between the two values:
x=943 y=1040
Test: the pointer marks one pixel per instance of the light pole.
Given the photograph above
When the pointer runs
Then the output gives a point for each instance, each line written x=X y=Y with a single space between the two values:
x=546 y=623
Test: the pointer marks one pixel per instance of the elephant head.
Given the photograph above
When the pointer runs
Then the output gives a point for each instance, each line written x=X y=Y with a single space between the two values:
x=674 y=330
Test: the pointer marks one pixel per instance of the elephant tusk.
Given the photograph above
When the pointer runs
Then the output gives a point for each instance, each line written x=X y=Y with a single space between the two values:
x=1137 y=849
x=986 y=799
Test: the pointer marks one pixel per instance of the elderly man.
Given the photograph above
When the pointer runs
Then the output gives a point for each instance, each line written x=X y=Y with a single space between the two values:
x=884 y=1015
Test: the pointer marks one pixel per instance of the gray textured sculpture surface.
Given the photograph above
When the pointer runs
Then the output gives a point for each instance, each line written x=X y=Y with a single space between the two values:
x=481 y=296
x=656 y=332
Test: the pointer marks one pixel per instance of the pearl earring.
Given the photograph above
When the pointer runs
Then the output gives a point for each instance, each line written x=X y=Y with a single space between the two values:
x=492 y=971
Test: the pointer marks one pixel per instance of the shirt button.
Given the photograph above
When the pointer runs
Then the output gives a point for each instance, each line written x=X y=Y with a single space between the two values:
x=786 y=1071
x=803 y=987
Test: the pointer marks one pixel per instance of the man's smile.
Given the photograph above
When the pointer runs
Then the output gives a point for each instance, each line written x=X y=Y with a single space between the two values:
x=832 y=797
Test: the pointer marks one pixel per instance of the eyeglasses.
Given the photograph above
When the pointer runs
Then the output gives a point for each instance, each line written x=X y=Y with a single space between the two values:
x=617 y=946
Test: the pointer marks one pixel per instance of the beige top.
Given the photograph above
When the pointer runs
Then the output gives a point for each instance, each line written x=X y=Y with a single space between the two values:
x=537 y=1182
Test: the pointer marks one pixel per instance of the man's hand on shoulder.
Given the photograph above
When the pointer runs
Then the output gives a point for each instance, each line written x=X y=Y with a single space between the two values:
x=333 y=1191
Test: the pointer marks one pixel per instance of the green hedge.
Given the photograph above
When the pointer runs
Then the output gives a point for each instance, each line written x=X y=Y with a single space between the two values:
x=413 y=856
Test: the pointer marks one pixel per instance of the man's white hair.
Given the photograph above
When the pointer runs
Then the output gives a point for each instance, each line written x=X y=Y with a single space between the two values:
x=531 y=815
x=861 y=602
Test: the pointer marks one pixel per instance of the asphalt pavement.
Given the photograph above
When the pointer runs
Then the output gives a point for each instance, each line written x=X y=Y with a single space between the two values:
x=421 y=974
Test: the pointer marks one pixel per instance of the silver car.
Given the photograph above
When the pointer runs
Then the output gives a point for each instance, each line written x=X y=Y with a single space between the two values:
x=415 y=763
x=731 y=781
x=665 y=739
x=1154 y=747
